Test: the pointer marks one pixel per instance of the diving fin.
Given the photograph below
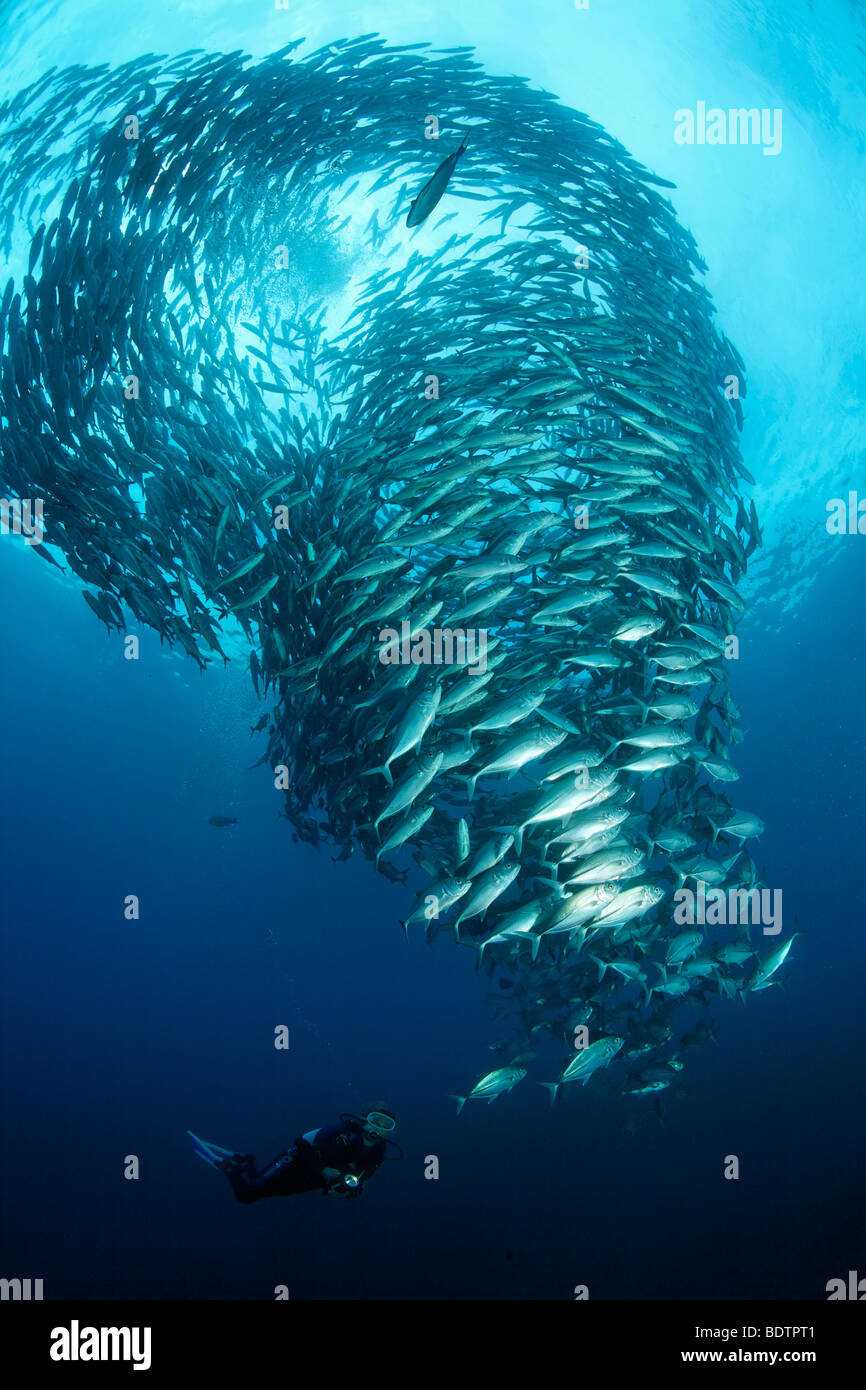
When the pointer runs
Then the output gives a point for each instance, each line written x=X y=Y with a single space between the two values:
x=211 y=1153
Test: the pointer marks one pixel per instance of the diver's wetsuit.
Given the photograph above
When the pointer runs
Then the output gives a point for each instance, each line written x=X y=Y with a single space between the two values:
x=300 y=1170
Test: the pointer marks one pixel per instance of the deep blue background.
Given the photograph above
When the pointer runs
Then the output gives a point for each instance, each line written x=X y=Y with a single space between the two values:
x=118 y=1036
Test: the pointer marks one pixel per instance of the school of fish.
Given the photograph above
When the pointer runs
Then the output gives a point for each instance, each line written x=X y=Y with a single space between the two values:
x=519 y=428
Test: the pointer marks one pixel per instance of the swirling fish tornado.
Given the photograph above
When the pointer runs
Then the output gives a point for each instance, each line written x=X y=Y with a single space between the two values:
x=472 y=494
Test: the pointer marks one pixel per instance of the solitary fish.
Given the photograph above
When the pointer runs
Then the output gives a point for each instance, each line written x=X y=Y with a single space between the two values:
x=588 y=1060
x=222 y=820
x=433 y=189
x=494 y=1084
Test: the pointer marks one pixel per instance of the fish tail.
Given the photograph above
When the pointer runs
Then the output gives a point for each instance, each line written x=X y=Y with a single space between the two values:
x=385 y=771
x=461 y=1101
x=602 y=965
x=552 y=1087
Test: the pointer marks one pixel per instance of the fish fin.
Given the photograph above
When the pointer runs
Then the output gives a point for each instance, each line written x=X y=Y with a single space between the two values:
x=385 y=771
x=405 y=927
x=470 y=780
x=559 y=720
x=715 y=829
x=461 y=1101
x=602 y=965
x=552 y=1087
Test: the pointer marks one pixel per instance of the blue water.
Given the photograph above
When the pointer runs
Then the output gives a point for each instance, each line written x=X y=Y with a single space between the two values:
x=118 y=1036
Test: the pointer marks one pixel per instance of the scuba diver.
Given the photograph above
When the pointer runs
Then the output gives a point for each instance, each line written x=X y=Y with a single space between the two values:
x=337 y=1158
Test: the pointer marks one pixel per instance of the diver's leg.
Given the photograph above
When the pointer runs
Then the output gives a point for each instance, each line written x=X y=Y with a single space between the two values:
x=283 y=1177
x=240 y=1169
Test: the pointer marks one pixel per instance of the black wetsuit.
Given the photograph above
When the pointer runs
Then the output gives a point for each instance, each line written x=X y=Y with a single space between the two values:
x=300 y=1170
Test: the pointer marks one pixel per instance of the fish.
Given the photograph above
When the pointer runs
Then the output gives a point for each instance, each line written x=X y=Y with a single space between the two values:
x=587 y=1062
x=439 y=897
x=741 y=825
x=608 y=866
x=683 y=946
x=486 y=890
x=573 y=506
x=426 y=200
x=560 y=803
x=762 y=975
x=422 y=774
x=518 y=753
x=413 y=726
x=582 y=906
x=222 y=820
x=516 y=925
x=488 y=855
x=405 y=830
x=495 y=1083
